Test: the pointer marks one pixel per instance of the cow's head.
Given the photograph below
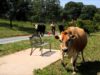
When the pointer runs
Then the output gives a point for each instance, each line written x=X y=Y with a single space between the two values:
x=66 y=39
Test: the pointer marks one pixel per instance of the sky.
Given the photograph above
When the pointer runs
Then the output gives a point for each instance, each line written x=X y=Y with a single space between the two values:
x=85 y=2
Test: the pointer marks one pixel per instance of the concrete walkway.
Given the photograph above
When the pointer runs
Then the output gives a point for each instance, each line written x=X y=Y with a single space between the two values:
x=13 y=39
x=21 y=63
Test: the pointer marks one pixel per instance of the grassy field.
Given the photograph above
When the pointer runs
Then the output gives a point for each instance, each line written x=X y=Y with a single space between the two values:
x=19 y=28
x=90 y=67
x=6 y=49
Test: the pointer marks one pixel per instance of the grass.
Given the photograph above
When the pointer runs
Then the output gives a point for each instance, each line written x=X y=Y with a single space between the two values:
x=6 y=49
x=19 y=28
x=90 y=67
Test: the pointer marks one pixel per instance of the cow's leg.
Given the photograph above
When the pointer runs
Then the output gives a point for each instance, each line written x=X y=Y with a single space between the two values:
x=82 y=56
x=41 y=50
x=73 y=61
x=32 y=51
x=62 y=58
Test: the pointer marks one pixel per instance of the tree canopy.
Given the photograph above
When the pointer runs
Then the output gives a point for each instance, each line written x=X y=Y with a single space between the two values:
x=46 y=10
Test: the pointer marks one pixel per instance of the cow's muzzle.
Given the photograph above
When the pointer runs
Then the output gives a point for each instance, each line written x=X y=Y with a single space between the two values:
x=65 y=49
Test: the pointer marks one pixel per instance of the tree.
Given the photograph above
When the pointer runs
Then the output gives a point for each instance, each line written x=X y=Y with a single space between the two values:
x=88 y=12
x=53 y=9
x=96 y=17
x=73 y=9
x=11 y=12
x=38 y=7
x=18 y=9
x=46 y=9
x=24 y=10
x=3 y=7
x=98 y=10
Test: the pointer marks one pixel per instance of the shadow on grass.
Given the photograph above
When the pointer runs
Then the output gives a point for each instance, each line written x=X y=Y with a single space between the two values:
x=17 y=27
x=26 y=29
x=5 y=25
x=89 y=68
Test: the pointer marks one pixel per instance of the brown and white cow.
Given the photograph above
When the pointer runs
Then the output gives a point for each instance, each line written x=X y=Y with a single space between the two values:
x=73 y=41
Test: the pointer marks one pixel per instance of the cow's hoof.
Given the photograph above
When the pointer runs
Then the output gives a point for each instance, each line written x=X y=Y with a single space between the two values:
x=63 y=64
x=74 y=73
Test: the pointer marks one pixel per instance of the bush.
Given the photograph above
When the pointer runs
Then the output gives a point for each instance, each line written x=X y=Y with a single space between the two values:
x=87 y=25
x=97 y=27
x=96 y=18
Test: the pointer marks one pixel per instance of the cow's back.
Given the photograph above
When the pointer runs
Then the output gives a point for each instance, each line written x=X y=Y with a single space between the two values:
x=81 y=38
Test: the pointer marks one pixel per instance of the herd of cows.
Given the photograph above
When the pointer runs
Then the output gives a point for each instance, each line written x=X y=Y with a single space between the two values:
x=40 y=28
x=73 y=41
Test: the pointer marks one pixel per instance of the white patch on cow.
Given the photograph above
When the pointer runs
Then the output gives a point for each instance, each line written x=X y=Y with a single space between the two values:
x=71 y=60
x=74 y=57
x=60 y=38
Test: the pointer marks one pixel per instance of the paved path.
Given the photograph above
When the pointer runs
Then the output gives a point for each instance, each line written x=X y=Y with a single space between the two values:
x=13 y=39
x=21 y=63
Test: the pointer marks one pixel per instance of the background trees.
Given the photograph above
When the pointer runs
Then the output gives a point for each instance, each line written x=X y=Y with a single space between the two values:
x=88 y=12
x=3 y=8
x=47 y=10
x=16 y=10
x=73 y=9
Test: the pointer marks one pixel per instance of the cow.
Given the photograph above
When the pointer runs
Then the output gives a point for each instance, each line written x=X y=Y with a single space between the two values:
x=40 y=29
x=61 y=27
x=73 y=41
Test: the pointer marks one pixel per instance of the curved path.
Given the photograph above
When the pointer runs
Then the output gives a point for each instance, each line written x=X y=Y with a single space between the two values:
x=13 y=39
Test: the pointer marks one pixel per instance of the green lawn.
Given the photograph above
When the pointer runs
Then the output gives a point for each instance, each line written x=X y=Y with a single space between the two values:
x=19 y=28
x=6 y=49
x=90 y=67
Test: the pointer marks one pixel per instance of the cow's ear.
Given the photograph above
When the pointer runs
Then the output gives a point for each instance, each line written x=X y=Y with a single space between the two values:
x=56 y=37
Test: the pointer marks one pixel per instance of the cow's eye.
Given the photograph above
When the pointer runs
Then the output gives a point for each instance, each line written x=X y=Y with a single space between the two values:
x=65 y=33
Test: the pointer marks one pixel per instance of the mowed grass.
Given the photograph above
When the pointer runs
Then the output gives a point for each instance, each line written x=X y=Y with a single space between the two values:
x=19 y=28
x=6 y=49
x=90 y=67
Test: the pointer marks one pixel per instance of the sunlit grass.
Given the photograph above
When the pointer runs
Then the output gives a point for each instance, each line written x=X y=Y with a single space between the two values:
x=19 y=28
x=6 y=49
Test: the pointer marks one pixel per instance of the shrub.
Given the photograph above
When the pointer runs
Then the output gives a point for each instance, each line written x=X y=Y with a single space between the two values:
x=87 y=25
x=96 y=17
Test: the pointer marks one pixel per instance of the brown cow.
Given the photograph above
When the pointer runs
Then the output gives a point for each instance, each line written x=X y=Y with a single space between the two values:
x=73 y=41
